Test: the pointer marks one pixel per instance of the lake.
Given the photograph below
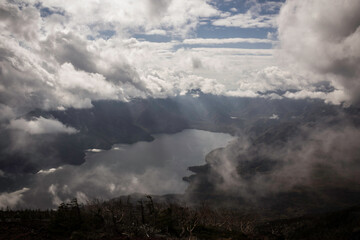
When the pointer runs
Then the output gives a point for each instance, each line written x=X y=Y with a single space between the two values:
x=155 y=167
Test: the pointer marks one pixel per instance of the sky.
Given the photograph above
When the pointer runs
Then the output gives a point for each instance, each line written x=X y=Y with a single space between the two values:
x=61 y=54
x=56 y=55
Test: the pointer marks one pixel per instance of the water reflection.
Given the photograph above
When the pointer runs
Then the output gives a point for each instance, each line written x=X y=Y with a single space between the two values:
x=155 y=167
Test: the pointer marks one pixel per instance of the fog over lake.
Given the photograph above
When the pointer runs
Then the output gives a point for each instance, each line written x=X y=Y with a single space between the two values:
x=155 y=167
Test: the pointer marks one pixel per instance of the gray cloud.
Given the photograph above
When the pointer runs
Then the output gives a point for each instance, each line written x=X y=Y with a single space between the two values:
x=157 y=8
x=12 y=199
x=59 y=67
x=325 y=41
x=6 y=113
x=69 y=48
x=23 y=24
x=313 y=158
x=72 y=48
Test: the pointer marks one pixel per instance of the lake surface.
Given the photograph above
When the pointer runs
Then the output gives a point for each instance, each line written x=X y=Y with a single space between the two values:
x=158 y=167
x=155 y=167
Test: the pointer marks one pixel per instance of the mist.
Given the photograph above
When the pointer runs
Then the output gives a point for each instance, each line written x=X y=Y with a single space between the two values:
x=155 y=168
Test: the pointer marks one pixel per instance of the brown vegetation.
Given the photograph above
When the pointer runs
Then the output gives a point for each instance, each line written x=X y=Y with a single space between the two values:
x=146 y=219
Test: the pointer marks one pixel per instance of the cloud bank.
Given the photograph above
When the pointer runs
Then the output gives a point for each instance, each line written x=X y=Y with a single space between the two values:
x=314 y=161
x=53 y=57
x=323 y=37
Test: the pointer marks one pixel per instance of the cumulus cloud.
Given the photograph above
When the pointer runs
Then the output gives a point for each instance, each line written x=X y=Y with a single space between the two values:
x=60 y=60
x=177 y=16
x=247 y=20
x=41 y=126
x=66 y=63
x=49 y=79
x=23 y=24
x=335 y=97
x=323 y=40
x=276 y=82
x=56 y=60
x=225 y=65
x=273 y=78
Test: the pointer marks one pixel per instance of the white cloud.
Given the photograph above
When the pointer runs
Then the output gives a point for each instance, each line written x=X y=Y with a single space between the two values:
x=242 y=93
x=156 y=32
x=177 y=16
x=274 y=78
x=236 y=51
x=50 y=63
x=247 y=20
x=53 y=190
x=48 y=171
x=94 y=150
x=274 y=117
x=169 y=70
x=54 y=63
x=225 y=40
x=41 y=126
x=60 y=67
x=336 y=97
x=91 y=86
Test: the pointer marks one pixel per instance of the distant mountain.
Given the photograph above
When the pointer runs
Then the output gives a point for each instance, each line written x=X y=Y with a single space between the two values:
x=258 y=169
x=110 y=122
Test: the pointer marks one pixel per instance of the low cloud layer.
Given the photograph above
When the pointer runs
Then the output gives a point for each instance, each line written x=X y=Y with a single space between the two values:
x=41 y=126
x=319 y=160
x=12 y=199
